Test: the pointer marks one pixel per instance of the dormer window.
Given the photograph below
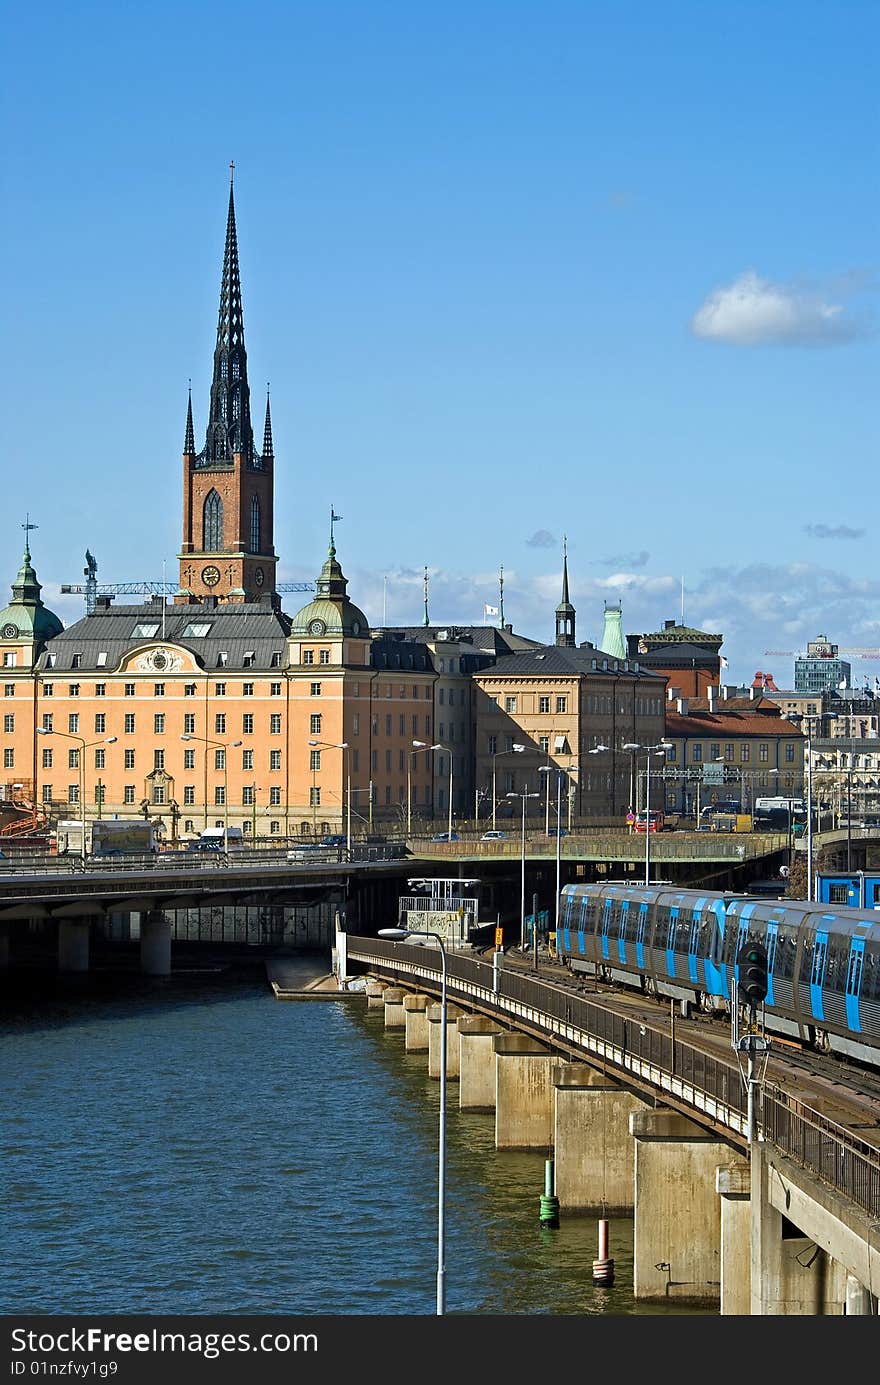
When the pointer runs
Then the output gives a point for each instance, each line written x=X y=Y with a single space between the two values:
x=144 y=630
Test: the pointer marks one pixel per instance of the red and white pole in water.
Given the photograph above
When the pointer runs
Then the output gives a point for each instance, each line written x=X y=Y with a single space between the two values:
x=603 y=1266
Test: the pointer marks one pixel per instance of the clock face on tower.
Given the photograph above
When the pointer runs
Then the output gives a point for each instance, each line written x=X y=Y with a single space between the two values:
x=210 y=575
x=258 y=577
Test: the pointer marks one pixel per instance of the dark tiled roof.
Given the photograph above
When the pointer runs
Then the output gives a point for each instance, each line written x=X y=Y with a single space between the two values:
x=236 y=631
x=565 y=661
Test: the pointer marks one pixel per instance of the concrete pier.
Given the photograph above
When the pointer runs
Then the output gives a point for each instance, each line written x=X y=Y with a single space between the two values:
x=594 y=1148
x=524 y=1074
x=477 y=1034
x=155 y=944
x=732 y=1183
x=395 y=1015
x=415 y=1009
x=73 y=944
x=677 y=1233
x=453 y=1015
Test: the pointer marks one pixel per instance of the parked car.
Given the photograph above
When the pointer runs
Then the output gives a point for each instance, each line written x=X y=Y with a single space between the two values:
x=445 y=837
x=206 y=844
x=334 y=839
x=557 y=832
x=493 y=836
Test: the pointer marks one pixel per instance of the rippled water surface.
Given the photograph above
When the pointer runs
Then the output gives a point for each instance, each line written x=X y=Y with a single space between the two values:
x=219 y=1151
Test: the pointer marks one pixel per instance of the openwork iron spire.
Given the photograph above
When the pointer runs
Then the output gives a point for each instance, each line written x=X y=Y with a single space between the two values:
x=268 y=447
x=229 y=426
x=189 y=441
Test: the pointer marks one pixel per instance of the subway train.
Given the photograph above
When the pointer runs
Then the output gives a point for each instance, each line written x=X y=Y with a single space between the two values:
x=823 y=961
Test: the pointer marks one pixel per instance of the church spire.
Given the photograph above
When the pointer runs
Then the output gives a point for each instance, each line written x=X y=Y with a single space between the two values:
x=189 y=441
x=229 y=425
x=565 y=611
x=268 y=448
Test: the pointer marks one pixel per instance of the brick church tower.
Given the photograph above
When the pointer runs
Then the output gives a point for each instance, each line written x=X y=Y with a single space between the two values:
x=227 y=550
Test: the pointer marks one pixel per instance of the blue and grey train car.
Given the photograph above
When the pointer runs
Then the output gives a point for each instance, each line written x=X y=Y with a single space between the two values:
x=823 y=962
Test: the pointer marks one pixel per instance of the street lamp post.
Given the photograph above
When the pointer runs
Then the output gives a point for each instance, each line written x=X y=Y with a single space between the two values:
x=545 y=770
x=417 y=746
x=522 y=909
x=343 y=745
x=659 y=749
x=515 y=749
x=449 y=753
x=84 y=745
x=399 y=935
x=225 y=746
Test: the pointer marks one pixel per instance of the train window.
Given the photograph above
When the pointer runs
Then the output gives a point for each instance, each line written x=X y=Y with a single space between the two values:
x=871 y=972
x=784 y=956
x=854 y=974
x=643 y=923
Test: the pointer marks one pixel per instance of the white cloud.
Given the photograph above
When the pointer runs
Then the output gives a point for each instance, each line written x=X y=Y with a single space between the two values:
x=753 y=312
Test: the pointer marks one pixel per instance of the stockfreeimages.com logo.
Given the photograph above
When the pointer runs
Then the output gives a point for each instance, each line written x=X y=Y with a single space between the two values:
x=94 y=1340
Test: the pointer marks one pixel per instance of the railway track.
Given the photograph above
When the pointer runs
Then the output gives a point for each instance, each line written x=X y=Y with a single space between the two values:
x=846 y=1092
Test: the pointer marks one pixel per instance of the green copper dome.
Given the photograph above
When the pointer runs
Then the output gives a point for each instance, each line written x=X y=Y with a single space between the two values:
x=331 y=612
x=26 y=617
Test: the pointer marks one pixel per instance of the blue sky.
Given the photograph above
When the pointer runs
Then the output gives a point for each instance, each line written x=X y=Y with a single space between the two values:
x=513 y=270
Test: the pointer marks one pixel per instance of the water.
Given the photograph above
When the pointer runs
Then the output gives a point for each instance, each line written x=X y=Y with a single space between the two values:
x=216 y=1151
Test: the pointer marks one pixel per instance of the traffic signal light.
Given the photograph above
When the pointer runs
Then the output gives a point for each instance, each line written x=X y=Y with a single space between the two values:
x=753 y=973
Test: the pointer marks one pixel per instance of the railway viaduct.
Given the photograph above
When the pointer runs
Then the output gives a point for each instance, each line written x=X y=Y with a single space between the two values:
x=644 y=1118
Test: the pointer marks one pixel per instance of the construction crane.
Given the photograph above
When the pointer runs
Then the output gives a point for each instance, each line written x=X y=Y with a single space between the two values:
x=91 y=589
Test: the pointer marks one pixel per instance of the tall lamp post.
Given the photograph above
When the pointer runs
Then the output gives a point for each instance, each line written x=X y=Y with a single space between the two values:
x=84 y=745
x=417 y=746
x=659 y=749
x=446 y=749
x=522 y=909
x=399 y=935
x=225 y=746
x=343 y=745
x=546 y=770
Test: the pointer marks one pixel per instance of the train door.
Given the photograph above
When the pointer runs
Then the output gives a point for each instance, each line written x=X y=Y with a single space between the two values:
x=622 y=928
x=606 y=929
x=641 y=929
x=713 y=964
x=670 y=940
x=694 y=941
x=854 y=970
x=817 y=974
x=771 y=945
x=582 y=925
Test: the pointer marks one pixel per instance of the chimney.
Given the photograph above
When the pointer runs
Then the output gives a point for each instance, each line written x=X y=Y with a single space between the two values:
x=682 y=706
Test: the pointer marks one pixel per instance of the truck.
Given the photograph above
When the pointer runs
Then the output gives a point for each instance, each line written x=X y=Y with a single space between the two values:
x=129 y=836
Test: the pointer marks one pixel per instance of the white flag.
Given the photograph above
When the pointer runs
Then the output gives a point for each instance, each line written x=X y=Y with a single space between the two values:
x=724 y=663
x=490 y=610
